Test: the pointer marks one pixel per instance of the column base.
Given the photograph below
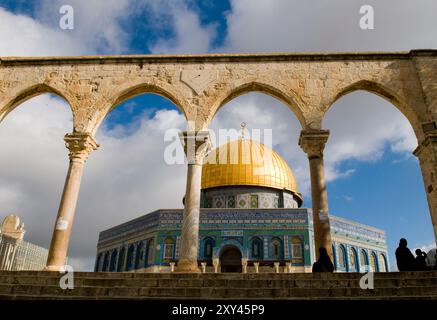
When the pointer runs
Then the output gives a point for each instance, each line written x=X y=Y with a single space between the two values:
x=187 y=266
x=54 y=268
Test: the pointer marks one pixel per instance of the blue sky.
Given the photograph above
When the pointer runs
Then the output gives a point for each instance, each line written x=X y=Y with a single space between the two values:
x=376 y=182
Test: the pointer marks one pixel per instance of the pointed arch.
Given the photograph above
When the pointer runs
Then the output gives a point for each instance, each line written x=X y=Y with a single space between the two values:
x=143 y=88
x=293 y=101
x=384 y=92
x=28 y=93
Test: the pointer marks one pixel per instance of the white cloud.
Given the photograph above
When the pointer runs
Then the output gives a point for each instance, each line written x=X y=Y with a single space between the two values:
x=23 y=36
x=96 y=22
x=97 y=28
x=329 y=25
x=189 y=35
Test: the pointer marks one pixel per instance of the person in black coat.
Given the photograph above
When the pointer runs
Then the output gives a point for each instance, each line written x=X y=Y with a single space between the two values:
x=435 y=266
x=324 y=263
x=404 y=257
x=420 y=261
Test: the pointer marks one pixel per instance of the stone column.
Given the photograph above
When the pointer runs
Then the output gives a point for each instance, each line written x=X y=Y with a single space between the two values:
x=80 y=145
x=196 y=146
x=313 y=142
x=427 y=154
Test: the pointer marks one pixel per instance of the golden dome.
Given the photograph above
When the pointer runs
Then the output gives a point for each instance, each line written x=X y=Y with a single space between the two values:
x=247 y=163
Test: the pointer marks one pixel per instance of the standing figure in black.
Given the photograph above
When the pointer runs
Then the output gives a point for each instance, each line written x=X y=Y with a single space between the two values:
x=420 y=261
x=324 y=263
x=404 y=257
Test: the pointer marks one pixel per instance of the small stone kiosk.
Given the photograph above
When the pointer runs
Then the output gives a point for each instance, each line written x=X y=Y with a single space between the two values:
x=15 y=253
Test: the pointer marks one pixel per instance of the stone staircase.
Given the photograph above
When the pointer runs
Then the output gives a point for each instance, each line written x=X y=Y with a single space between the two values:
x=300 y=286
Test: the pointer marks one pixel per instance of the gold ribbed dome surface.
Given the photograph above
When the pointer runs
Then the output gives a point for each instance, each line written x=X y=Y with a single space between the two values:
x=247 y=163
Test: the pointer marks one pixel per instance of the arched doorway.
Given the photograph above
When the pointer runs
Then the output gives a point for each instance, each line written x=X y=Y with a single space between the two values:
x=230 y=259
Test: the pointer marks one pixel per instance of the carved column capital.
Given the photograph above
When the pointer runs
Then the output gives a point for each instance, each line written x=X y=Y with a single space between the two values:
x=313 y=142
x=196 y=145
x=80 y=145
x=429 y=141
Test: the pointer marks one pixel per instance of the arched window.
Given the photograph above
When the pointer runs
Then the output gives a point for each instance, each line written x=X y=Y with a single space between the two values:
x=383 y=262
x=150 y=255
x=113 y=261
x=130 y=257
x=374 y=262
x=353 y=260
x=121 y=259
x=139 y=256
x=257 y=248
x=296 y=248
x=168 y=249
x=98 y=262
x=105 y=262
x=364 y=261
x=342 y=257
x=277 y=250
x=207 y=248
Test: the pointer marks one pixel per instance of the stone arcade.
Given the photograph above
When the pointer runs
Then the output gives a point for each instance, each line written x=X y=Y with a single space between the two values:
x=200 y=84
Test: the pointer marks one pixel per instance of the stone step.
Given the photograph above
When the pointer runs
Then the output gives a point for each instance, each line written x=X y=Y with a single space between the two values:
x=311 y=276
x=272 y=276
x=214 y=282
x=217 y=286
x=215 y=293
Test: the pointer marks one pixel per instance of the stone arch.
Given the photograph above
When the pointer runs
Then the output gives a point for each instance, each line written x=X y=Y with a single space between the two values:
x=384 y=92
x=230 y=258
x=30 y=92
x=230 y=242
x=293 y=101
x=132 y=91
